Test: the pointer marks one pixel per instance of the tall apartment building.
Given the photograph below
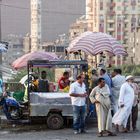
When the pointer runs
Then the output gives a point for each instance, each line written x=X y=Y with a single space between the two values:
x=116 y=17
x=134 y=46
x=78 y=27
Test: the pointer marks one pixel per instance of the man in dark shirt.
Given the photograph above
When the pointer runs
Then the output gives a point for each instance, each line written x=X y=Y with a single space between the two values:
x=43 y=84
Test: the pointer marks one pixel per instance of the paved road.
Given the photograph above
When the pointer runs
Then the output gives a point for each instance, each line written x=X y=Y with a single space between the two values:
x=63 y=134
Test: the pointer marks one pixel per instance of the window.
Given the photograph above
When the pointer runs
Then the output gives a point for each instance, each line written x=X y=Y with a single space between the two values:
x=101 y=17
x=139 y=21
x=101 y=6
x=118 y=33
x=110 y=33
x=124 y=41
x=125 y=25
x=138 y=8
x=133 y=7
x=111 y=25
x=119 y=24
x=125 y=33
x=126 y=8
x=125 y=17
x=111 y=18
x=50 y=48
x=60 y=49
x=119 y=8
x=111 y=8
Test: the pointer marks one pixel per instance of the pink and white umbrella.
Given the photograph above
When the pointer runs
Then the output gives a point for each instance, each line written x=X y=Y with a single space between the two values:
x=93 y=43
x=22 y=61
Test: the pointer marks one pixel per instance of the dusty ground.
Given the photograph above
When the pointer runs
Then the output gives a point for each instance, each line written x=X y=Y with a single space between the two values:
x=40 y=132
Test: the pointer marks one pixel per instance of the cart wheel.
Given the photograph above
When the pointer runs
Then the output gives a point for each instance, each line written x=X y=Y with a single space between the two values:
x=55 y=121
x=16 y=114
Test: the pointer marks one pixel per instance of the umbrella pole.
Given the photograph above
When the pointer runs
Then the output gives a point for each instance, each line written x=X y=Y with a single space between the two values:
x=38 y=70
x=96 y=61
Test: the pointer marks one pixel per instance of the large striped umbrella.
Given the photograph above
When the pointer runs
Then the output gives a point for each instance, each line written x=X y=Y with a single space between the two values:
x=22 y=61
x=93 y=43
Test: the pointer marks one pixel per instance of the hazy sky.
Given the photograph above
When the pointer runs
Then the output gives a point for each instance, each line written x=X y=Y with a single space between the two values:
x=57 y=16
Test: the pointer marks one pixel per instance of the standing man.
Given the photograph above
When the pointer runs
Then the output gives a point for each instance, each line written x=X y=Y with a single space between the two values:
x=43 y=83
x=117 y=82
x=108 y=81
x=134 y=108
x=100 y=96
x=106 y=77
x=126 y=99
x=78 y=98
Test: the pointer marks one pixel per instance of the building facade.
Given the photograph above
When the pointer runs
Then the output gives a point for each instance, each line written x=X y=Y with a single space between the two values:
x=27 y=44
x=118 y=18
x=78 y=27
x=35 y=24
x=134 y=46
x=15 y=49
x=58 y=49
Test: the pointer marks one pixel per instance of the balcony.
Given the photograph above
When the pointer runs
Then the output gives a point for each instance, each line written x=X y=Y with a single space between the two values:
x=89 y=5
x=126 y=28
x=90 y=20
x=126 y=20
x=110 y=29
x=90 y=13
x=111 y=13
x=111 y=4
x=125 y=36
x=111 y=20
x=133 y=2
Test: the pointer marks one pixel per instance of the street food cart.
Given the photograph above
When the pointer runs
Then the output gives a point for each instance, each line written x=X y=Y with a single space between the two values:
x=55 y=104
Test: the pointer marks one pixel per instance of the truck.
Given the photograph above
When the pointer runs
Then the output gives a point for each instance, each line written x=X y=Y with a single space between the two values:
x=54 y=105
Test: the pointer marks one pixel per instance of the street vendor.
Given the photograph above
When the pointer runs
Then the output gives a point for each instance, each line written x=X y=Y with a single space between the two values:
x=64 y=81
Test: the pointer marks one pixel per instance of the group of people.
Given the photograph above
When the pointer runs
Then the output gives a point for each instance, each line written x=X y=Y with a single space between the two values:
x=116 y=100
x=115 y=97
x=42 y=84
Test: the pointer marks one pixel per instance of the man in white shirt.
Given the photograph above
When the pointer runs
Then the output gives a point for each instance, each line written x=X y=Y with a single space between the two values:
x=78 y=98
x=117 y=82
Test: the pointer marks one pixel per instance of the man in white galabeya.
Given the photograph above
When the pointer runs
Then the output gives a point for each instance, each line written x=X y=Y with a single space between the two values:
x=117 y=82
x=78 y=98
x=126 y=99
